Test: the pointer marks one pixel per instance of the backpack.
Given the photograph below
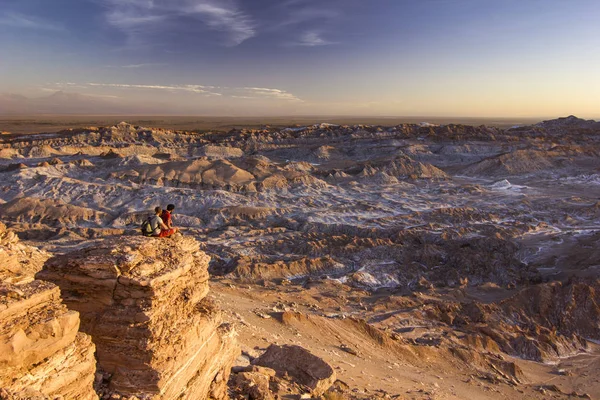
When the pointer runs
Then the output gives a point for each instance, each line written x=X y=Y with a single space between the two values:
x=147 y=228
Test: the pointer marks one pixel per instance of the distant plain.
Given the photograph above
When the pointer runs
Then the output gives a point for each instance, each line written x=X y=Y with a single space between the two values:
x=55 y=123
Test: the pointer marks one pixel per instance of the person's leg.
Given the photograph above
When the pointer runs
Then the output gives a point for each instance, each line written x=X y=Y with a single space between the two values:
x=166 y=233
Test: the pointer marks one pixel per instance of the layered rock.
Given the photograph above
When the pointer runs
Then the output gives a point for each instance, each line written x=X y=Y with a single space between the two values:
x=144 y=303
x=18 y=262
x=41 y=348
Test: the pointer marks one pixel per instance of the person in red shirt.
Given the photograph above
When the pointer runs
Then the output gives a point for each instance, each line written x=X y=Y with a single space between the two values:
x=168 y=221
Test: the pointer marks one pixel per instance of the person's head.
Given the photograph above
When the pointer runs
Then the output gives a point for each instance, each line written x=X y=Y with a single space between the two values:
x=157 y=210
x=170 y=207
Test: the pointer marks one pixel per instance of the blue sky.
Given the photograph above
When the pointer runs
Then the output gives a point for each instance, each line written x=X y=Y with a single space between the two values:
x=276 y=57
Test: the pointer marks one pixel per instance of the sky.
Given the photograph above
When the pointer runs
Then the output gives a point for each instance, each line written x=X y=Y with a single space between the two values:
x=471 y=58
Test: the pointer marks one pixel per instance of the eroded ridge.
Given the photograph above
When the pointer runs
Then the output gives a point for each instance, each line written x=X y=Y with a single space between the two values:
x=144 y=303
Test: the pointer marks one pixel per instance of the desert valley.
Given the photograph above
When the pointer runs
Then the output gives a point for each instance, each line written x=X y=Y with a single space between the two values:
x=413 y=261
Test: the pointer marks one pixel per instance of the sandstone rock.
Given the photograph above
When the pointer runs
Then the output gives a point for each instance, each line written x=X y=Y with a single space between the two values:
x=306 y=368
x=41 y=348
x=247 y=269
x=143 y=302
x=26 y=394
x=18 y=262
x=254 y=384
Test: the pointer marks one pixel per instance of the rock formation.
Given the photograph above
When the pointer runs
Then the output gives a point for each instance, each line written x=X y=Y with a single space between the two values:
x=306 y=368
x=18 y=262
x=41 y=348
x=282 y=372
x=144 y=303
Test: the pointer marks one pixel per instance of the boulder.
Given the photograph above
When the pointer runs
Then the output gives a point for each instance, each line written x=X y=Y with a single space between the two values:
x=303 y=366
x=255 y=385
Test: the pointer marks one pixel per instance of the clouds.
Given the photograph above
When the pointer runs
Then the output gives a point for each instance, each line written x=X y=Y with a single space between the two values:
x=18 y=20
x=253 y=92
x=136 y=66
x=311 y=21
x=301 y=22
x=172 y=88
x=139 y=19
x=218 y=91
x=312 y=39
x=238 y=25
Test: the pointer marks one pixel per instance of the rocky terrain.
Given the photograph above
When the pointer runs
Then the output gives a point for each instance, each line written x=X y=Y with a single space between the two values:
x=408 y=261
x=42 y=351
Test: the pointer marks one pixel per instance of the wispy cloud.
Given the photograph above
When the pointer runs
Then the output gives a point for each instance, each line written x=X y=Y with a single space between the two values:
x=17 y=20
x=268 y=93
x=136 y=66
x=142 y=65
x=239 y=26
x=307 y=14
x=183 y=88
x=139 y=18
x=312 y=39
x=232 y=92
x=312 y=18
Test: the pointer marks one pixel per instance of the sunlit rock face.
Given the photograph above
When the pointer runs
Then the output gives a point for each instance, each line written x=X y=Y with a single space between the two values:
x=42 y=352
x=143 y=301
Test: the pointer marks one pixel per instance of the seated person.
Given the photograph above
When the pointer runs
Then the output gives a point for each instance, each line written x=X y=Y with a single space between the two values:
x=166 y=216
x=159 y=229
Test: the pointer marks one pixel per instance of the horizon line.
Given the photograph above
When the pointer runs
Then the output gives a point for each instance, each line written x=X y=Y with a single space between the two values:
x=349 y=116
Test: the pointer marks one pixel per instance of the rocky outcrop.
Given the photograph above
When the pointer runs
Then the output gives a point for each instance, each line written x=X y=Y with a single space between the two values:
x=18 y=262
x=292 y=372
x=249 y=269
x=144 y=303
x=306 y=368
x=41 y=348
x=542 y=323
x=26 y=394
x=518 y=162
x=253 y=382
x=42 y=352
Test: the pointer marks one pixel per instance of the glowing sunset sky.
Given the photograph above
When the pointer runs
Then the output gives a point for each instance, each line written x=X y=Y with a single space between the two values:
x=298 y=57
